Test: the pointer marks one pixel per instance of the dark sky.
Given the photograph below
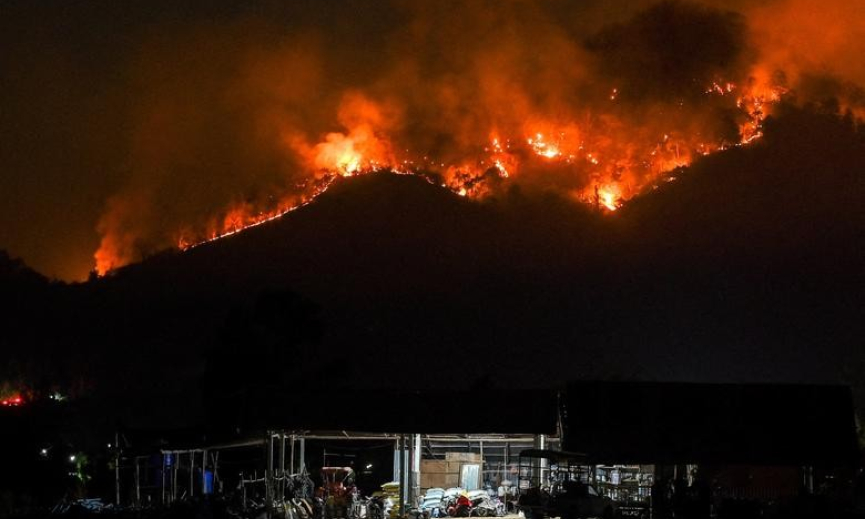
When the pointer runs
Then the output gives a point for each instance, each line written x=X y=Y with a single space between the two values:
x=136 y=119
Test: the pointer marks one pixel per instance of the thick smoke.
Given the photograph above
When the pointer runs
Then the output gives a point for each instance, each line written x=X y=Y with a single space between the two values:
x=224 y=115
x=672 y=51
x=210 y=115
x=238 y=121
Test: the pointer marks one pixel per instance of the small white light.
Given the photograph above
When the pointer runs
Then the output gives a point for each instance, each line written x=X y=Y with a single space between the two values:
x=72 y=458
x=109 y=445
x=369 y=466
x=44 y=452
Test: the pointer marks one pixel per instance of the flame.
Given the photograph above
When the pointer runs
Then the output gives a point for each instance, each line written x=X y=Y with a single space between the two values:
x=620 y=162
x=608 y=197
x=339 y=153
x=543 y=148
x=474 y=100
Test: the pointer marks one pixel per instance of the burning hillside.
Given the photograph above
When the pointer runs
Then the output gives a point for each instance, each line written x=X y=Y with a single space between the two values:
x=472 y=99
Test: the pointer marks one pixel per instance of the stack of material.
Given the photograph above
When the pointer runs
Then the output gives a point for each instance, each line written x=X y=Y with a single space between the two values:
x=446 y=473
x=391 y=491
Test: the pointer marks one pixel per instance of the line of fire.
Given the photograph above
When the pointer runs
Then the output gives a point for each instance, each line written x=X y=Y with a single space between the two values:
x=591 y=449
x=426 y=259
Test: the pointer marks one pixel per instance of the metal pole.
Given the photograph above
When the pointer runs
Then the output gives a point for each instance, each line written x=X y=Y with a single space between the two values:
x=293 y=471
x=268 y=477
x=191 y=473
x=483 y=464
x=243 y=490
x=216 y=472
x=204 y=472
x=175 y=458
x=402 y=477
x=409 y=474
x=163 y=478
x=416 y=469
x=542 y=443
x=282 y=466
x=137 y=484
x=505 y=475
x=302 y=461
x=116 y=468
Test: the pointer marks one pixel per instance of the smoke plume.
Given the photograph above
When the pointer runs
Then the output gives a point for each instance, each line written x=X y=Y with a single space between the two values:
x=232 y=116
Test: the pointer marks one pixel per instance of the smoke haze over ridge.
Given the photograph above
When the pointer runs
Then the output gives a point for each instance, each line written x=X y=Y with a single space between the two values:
x=130 y=125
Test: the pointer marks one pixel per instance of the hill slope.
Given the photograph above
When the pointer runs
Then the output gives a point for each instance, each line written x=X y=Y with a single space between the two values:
x=748 y=268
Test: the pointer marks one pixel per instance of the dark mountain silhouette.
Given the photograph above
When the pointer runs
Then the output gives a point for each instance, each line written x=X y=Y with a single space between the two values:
x=747 y=268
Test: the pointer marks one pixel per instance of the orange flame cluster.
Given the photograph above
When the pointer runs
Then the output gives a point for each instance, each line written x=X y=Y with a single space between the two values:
x=611 y=165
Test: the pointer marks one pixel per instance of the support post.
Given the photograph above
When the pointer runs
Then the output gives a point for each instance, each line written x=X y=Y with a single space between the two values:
x=137 y=483
x=175 y=465
x=542 y=444
x=409 y=476
x=415 y=469
x=507 y=467
x=302 y=456
x=191 y=473
x=293 y=467
x=116 y=469
x=539 y=466
x=402 y=474
x=204 y=472
x=483 y=464
x=163 y=479
x=216 y=481
x=268 y=477
x=396 y=469
x=282 y=466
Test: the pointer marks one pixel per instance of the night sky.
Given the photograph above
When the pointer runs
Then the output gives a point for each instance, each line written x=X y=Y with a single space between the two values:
x=731 y=252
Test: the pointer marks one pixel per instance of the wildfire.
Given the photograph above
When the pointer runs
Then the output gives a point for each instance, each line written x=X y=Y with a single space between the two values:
x=543 y=148
x=620 y=162
x=607 y=198
x=339 y=154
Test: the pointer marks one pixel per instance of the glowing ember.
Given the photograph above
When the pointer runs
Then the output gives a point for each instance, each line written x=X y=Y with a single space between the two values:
x=13 y=401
